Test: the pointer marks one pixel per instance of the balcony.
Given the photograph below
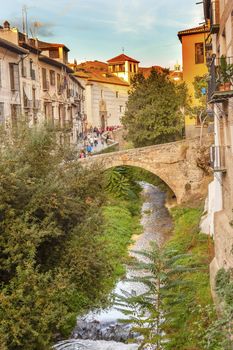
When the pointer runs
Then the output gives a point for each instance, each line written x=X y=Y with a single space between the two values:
x=214 y=17
x=220 y=84
x=218 y=158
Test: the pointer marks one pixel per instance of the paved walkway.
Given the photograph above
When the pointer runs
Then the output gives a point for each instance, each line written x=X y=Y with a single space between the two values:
x=102 y=144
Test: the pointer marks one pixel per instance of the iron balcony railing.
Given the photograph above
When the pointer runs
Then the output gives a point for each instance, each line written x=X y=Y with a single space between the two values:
x=218 y=158
x=220 y=83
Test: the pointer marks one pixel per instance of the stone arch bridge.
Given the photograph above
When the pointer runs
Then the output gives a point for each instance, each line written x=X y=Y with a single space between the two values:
x=176 y=163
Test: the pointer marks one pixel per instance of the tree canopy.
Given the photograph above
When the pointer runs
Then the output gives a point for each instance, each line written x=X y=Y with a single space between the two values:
x=52 y=250
x=154 y=110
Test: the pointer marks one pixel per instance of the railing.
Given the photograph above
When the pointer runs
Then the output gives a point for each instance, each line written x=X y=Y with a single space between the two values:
x=220 y=77
x=218 y=158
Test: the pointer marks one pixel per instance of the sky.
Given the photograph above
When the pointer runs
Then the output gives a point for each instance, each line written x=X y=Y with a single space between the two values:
x=101 y=29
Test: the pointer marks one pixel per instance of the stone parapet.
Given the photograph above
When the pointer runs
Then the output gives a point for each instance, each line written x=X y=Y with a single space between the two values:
x=176 y=163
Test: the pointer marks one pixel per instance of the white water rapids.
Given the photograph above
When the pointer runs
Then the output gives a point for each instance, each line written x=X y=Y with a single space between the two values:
x=100 y=330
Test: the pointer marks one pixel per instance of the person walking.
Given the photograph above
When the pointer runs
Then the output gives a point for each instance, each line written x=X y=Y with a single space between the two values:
x=89 y=150
x=95 y=141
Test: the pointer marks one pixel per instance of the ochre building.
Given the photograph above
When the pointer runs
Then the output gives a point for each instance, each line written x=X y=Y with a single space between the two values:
x=194 y=64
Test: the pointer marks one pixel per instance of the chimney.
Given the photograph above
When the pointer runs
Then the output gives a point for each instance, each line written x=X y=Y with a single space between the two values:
x=6 y=25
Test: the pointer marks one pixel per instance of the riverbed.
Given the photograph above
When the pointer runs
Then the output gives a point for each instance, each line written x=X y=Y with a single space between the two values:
x=100 y=329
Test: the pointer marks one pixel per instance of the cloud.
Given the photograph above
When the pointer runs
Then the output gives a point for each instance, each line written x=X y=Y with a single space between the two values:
x=35 y=28
x=134 y=16
x=44 y=29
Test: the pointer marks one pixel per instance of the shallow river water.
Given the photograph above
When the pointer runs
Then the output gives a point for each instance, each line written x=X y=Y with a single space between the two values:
x=101 y=330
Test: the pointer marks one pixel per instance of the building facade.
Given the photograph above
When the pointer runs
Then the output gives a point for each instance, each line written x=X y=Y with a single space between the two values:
x=106 y=93
x=107 y=87
x=10 y=92
x=219 y=15
x=194 y=64
x=44 y=87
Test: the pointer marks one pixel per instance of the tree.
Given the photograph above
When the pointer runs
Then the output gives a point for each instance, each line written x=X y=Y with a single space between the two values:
x=199 y=110
x=154 y=110
x=53 y=259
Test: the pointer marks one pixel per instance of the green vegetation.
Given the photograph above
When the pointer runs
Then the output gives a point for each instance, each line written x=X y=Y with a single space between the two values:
x=198 y=110
x=182 y=317
x=64 y=236
x=121 y=222
x=223 y=327
x=154 y=110
x=161 y=273
x=191 y=304
x=63 y=241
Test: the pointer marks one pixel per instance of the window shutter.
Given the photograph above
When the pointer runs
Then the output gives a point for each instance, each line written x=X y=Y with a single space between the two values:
x=16 y=77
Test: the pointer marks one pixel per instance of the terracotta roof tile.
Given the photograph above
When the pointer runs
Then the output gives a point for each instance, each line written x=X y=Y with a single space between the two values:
x=147 y=70
x=195 y=30
x=46 y=46
x=91 y=65
x=121 y=59
x=100 y=77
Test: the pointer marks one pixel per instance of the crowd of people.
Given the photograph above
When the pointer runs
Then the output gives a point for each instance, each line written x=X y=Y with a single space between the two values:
x=93 y=138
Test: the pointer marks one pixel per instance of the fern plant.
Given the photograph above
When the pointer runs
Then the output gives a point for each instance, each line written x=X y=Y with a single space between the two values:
x=150 y=312
x=120 y=182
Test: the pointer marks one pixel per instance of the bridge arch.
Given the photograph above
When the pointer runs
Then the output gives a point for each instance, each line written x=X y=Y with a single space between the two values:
x=174 y=163
x=147 y=167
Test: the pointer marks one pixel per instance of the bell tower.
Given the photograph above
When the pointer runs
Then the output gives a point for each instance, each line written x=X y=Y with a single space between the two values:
x=123 y=67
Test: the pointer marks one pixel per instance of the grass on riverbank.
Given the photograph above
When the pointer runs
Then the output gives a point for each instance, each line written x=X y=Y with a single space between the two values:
x=194 y=313
x=121 y=222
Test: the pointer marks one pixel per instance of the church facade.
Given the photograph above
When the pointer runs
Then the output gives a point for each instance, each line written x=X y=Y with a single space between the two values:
x=106 y=89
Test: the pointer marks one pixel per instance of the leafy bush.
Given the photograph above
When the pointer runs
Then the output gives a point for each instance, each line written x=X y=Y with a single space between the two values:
x=52 y=263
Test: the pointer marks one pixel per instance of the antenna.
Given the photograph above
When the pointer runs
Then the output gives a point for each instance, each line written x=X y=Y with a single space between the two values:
x=25 y=19
x=123 y=49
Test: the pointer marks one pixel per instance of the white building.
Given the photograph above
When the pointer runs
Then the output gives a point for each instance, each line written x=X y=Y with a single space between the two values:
x=220 y=98
x=42 y=84
x=10 y=93
x=106 y=89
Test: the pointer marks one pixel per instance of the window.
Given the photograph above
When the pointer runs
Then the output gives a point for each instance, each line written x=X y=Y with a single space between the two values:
x=58 y=83
x=54 y=53
x=15 y=110
x=199 y=53
x=121 y=109
x=24 y=69
x=32 y=71
x=52 y=77
x=44 y=79
x=2 y=113
x=117 y=94
x=14 y=76
x=101 y=93
x=34 y=97
x=121 y=67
